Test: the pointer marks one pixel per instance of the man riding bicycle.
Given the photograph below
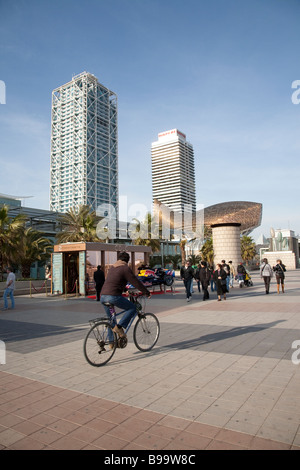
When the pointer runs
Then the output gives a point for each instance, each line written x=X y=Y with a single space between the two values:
x=118 y=276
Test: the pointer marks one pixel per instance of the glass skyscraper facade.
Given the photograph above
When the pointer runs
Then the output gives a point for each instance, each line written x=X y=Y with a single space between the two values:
x=173 y=171
x=84 y=145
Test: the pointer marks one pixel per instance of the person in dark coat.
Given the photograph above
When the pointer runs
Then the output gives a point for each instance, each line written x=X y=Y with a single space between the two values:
x=220 y=279
x=204 y=276
x=187 y=275
x=197 y=277
x=99 y=279
x=279 y=273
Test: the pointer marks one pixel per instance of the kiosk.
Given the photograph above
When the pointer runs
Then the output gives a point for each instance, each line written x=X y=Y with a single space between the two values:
x=73 y=264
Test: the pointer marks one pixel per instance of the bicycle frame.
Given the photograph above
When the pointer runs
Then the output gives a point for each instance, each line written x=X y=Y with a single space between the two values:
x=114 y=314
x=101 y=342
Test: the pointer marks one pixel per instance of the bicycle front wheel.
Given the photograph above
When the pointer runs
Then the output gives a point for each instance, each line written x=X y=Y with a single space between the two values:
x=99 y=344
x=146 y=332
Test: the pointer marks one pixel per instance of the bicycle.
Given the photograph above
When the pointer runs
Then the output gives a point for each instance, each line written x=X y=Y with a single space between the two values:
x=101 y=341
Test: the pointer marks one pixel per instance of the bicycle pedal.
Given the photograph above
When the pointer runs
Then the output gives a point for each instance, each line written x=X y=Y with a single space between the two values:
x=122 y=342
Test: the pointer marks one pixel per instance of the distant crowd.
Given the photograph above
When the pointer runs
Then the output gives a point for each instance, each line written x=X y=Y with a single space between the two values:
x=221 y=278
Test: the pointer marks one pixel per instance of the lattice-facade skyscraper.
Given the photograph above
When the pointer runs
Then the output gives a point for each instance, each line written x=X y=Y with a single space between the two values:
x=173 y=171
x=84 y=145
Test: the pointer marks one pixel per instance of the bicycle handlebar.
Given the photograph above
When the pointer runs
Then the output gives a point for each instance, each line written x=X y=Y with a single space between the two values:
x=137 y=293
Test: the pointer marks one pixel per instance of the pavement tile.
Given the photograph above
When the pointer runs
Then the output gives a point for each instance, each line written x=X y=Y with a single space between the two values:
x=258 y=443
x=139 y=423
x=220 y=445
x=27 y=412
x=174 y=422
x=58 y=411
x=43 y=419
x=100 y=424
x=220 y=376
x=164 y=431
x=45 y=435
x=202 y=429
x=233 y=437
x=9 y=436
x=78 y=417
x=123 y=431
x=62 y=426
x=194 y=441
x=68 y=443
x=26 y=427
x=147 y=415
x=108 y=442
x=86 y=434
x=27 y=443
x=10 y=420
x=152 y=441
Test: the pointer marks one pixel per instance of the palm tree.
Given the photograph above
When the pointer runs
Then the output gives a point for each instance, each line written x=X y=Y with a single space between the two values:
x=31 y=246
x=248 y=248
x=10 y=229
x=143 y=229
x=174 y=260
x=194 y=259
x=182 y=244
x=78 y=225
x=207 y=251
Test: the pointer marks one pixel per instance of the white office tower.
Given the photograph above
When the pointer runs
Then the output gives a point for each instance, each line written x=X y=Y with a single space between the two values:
x=173 y=171
x=84 y=145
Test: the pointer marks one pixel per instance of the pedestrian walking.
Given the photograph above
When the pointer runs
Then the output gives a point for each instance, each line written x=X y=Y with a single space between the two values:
x=266 y=273
x=220 y=279
x=99 y=279
x=187 y=275
x=232 y=273
x=192 y=284
x=87 y=284
x=279 y=270
x=197 y=277
x=204 y=276
x=226 y=268
x=241 y=274
x=213 y=285
x=9 y=289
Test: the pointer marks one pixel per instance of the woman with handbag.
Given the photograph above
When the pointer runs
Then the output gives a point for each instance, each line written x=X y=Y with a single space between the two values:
x=220 y=276
x=279 y=273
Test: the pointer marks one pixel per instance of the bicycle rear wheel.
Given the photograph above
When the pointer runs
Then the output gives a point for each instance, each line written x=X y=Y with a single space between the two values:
x=98 y=349
x=146 y=332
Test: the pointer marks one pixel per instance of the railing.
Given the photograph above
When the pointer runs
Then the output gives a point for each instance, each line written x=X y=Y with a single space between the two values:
x=32 y=287
x=74 y=289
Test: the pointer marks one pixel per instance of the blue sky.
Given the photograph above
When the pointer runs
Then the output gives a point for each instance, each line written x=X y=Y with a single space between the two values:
x=221 y=71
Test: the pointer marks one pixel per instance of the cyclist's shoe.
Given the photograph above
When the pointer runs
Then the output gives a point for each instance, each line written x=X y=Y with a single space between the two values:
x=118 y=329
x=111 y=345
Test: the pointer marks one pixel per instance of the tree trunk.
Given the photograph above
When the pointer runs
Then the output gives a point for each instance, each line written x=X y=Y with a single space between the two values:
x=26 y=271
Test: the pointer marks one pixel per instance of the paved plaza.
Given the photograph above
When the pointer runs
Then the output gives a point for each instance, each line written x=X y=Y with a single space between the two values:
x=223 y=375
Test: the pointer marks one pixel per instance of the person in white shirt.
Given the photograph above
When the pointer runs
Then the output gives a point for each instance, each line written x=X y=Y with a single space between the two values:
x=9 y=291
x=266 y=273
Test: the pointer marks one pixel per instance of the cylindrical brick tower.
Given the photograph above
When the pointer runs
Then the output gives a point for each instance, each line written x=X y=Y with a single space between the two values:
x=227 y=243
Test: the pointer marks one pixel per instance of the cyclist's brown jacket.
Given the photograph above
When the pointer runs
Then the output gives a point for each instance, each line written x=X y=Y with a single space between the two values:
x=117 y=277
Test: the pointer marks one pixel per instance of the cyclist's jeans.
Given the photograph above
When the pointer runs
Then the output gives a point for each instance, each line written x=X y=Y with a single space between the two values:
x=122 y=303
